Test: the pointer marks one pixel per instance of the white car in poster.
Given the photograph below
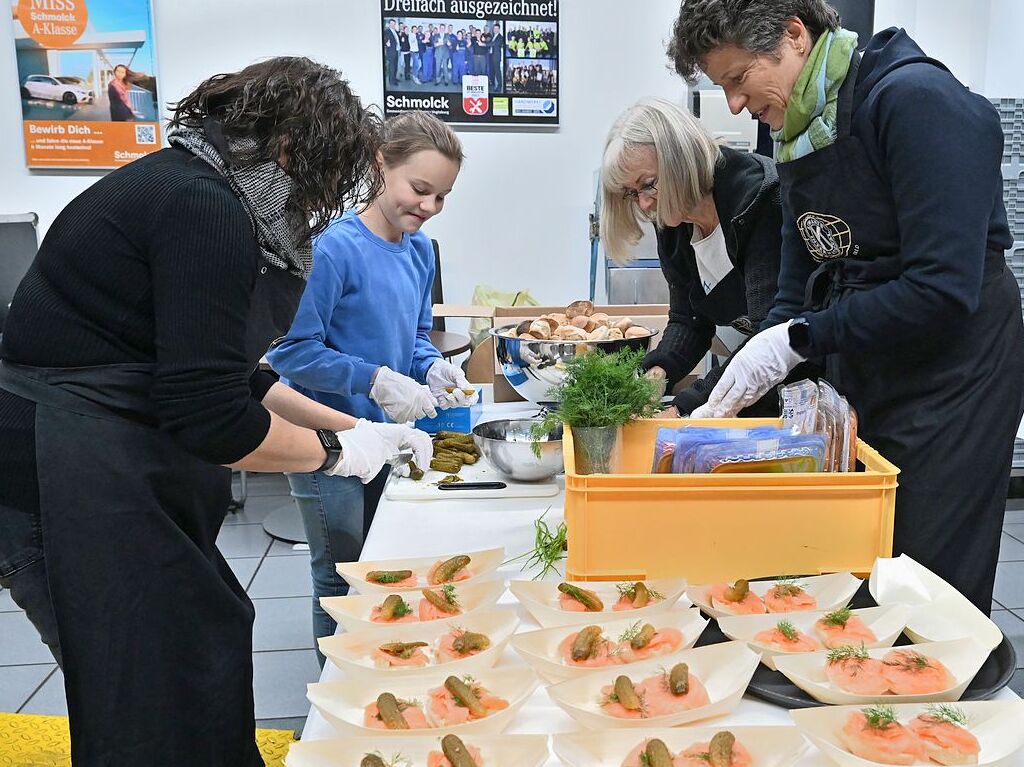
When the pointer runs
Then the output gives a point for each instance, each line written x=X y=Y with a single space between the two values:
x=69 y=90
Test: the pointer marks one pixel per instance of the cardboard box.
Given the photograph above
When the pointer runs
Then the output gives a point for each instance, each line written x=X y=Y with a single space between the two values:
x=460 y=419
x=482 y=366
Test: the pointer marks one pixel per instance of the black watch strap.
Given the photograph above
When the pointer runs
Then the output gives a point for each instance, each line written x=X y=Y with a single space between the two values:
x=332 y=445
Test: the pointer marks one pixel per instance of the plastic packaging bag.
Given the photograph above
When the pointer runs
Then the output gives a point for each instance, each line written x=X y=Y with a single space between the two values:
x=799 y=404
x=835 y=426
x=689 y=440
x=484 y=295
x=664 y=450
x=789 y=453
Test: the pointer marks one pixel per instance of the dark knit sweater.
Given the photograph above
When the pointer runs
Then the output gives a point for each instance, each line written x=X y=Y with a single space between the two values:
x=154 y=263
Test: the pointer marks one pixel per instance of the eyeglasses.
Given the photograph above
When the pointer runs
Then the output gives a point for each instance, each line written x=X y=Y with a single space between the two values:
x=649 y=190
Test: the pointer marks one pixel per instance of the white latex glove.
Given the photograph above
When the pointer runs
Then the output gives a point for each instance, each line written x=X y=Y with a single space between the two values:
x=364 y=451
x=444 y=375
x=401 y=397
x=764 y=361
x=401 y=437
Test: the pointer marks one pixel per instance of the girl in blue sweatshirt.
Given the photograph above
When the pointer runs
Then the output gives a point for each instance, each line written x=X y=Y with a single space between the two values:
x=359 y=342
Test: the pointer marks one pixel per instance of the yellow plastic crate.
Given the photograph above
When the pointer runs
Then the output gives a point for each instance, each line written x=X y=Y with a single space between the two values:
x=714 y=527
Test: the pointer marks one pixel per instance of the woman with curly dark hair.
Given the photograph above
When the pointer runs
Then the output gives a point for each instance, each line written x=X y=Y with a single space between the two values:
x=129 y=383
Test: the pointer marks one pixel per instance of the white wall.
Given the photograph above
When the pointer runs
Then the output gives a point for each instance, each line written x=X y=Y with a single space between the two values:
x=518 y=216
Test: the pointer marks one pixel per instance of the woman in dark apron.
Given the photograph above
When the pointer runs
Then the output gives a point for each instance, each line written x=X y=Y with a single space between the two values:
x=893 y=266
x=718 y=224
x=127 y=387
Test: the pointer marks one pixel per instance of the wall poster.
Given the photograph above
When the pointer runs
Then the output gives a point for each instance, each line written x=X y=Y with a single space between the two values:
x=491 y=62
x=87 y=78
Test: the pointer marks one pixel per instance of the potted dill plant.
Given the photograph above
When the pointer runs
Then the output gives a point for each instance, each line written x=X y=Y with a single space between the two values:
x=599 y=395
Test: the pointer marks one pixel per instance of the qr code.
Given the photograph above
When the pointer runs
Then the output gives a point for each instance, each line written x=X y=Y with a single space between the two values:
x=145 y=134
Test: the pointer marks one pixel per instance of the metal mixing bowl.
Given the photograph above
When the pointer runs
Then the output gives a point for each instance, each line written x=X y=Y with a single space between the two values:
x=533 y=367
x=508 y=445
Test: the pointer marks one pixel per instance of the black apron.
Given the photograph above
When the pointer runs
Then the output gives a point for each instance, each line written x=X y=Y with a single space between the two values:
x=944 y=410
x=155 y=630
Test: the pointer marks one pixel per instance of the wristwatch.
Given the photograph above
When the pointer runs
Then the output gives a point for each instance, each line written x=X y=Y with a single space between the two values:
x=330 y=442
x=800 y=336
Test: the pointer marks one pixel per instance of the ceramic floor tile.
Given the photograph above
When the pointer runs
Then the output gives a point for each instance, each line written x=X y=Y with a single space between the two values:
x=1017 y=682
x=17 y=683
x=250 y=541
x=20 y=643
x=6 y=603
x=279 y=682
x=1010 y=549
x=282 y=577
x=283 y=624
x=259 y=508
x=260 y=484
x=1014 y=516
x=1016 y=530
x=244 y=569
x=49 y=699
x=1009 y=590
x=282 y=549
x=1012 y=627
x=294 y=723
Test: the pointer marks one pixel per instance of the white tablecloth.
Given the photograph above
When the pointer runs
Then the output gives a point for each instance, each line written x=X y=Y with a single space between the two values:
x=435 y=528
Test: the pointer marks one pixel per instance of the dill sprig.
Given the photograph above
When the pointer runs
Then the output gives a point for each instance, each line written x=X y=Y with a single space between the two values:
x=628 y=590
x=396 y=760
x=879 y=717
x=909 y=660
x=788 y=630
x=402 y=609
x=632 y=632
x=847 y=652
x=548 y=548
x=787 y=587
x=943 y=712
x=600 y=390
x=838 y=617
x=448 y=592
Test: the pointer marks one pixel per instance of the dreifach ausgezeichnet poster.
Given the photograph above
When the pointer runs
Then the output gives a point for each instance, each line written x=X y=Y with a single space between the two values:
x=87 y=79
x=492 y=62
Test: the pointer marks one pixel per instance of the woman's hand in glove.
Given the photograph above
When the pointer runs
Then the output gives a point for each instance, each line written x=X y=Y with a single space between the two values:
x=765 y=360
x=443 y=376
x=400 y=438
x=364 y=451
x=401 y=397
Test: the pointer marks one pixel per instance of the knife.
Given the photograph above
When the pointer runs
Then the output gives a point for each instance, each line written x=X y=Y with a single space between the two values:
x=473 y=486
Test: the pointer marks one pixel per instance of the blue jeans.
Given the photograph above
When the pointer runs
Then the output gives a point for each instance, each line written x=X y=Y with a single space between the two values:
x=336 y=513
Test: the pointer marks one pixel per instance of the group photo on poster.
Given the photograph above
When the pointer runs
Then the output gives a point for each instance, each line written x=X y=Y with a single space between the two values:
x=473 y=63
x=97 y=66
x=536 y=40
x=536 y=77
x=435 y=54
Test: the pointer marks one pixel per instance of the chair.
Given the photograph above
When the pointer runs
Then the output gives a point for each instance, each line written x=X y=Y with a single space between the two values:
x=18 y=246
x=448 y=344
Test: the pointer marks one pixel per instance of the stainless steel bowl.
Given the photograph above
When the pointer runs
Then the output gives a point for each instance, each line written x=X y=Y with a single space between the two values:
x=508 y=445
x=534 y=367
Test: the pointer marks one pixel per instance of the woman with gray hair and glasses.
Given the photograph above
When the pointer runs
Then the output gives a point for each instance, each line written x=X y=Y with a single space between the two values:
x=718 y=222
x=893 y=271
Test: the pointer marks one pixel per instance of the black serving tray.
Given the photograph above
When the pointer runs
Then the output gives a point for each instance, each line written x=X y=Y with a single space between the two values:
x=774 y=687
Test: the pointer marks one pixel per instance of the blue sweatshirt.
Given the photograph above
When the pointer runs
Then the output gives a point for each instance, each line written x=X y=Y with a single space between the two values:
x=367 y=304
x=940 y=147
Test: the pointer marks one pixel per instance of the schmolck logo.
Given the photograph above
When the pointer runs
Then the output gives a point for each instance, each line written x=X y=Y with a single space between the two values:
x=826 y=237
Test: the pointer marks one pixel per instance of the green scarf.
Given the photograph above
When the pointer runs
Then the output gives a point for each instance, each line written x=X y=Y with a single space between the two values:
x=811 y=114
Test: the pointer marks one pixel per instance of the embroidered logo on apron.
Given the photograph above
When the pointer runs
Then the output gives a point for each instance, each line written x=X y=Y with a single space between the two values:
x=826 y=237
